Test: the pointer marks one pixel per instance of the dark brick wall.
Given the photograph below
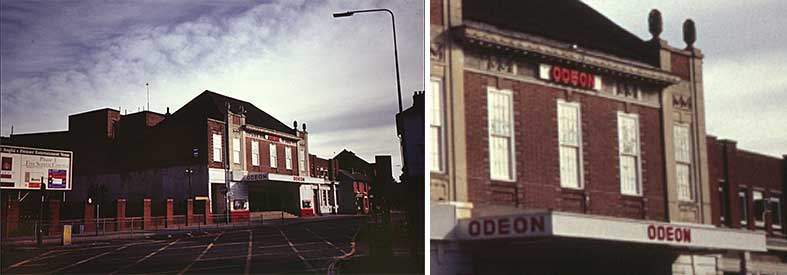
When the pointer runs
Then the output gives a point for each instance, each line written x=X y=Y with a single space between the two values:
x=680 y=65
x=436 y=12
x=537 y=164
x=742 y=169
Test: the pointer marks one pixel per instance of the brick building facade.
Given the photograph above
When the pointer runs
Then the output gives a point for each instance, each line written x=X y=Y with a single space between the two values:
x=569 y=145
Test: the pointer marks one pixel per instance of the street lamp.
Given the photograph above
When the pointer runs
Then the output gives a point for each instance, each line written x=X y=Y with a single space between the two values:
x=396 y=53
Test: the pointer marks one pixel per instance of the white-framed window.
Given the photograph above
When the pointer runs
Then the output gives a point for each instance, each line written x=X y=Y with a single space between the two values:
x=759 y=204
x=501 y=134
x=682 y=139
x=288 y=157
x=744 y=206
x=628 y=145
x=776 y=212
x=216 y=147
x=570 y=139
x=274 y=157
x=302 y=160
x=436 y=126
x=235 y=150
x=255 y=153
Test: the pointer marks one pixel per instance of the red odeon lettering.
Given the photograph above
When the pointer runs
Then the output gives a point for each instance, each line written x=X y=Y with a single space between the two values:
x=572 y=77
x=298 y=179
x=669 y=233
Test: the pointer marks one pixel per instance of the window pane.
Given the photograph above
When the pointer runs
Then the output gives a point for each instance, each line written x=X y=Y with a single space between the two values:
x=759 y=206
x=568 y=126
x=236 y=150
x=627 y=132
x=500 y=163
x=628 y=175
x=288 y=157
x=682 y=144
x=743 y=206
x=436 y=104
x=216 y=147
x=569 y=168
x=683 y=174
x=776 y=212
x=255 y=153
x=501 y=134
x=273 y=155
x=434 y=149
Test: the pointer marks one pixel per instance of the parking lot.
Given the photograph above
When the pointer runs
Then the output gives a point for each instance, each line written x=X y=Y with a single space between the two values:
x=303 y=247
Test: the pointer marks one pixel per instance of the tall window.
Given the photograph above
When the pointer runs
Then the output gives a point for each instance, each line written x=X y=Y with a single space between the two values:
x=628 y=139
x=236 y=150
x=569 y=135
x=744 y=206
x=302 y=160
x=274 y=158
x=216 y=148
x=501 y=134
x=288 y=157
x=759 y=208
x=255 y=153
x=776 y=212
x=436 y=127
x=683 y=162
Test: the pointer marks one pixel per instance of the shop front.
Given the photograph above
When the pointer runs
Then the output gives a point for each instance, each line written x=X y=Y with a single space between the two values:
x=297 y=195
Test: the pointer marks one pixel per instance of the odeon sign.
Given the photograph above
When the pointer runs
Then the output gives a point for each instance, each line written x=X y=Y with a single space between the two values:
x=570 y=77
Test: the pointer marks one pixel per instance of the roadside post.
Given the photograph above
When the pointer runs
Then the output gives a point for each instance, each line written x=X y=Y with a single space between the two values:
x=66 y=234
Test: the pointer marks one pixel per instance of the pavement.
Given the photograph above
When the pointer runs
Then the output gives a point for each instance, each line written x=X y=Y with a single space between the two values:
x=302 y=247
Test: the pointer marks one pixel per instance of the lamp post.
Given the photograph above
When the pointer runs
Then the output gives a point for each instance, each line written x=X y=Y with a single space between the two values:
x=396 y=52
x=189 y=171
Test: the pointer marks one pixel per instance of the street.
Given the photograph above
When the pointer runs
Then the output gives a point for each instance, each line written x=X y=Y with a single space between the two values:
x=303 y=247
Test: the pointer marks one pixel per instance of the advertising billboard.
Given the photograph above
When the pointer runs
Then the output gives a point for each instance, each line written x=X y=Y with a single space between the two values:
x=28 y=168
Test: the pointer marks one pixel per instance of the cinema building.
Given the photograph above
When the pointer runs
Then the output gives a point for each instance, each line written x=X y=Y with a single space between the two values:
x=563 y=144
x=216 y=150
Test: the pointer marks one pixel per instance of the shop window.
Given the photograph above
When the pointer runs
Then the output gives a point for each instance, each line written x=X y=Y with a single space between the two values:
x=569 y=136
x=628 y=145
x=236 y=150
x=759 y=208
x=216 y=148
x=273 y=156
x=436 y=127
x=744 y=202
x=683 y=162
x=501 y=134
x=255 y=153
x=288 y=158
x=775 y=206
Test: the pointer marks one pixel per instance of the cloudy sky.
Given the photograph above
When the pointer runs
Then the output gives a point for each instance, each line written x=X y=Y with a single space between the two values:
x=291 y=58
x=745 y=62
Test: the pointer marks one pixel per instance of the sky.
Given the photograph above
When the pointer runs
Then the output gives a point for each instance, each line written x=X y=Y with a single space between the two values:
x=291 y=59
x=745 y=65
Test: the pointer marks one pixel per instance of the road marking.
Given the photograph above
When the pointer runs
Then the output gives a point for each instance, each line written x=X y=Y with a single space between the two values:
x=308 y=265
x=201 y=254
x=88 y=259
x=248 y=255
x=27 y=261
x=324 y=240
x=151 y=254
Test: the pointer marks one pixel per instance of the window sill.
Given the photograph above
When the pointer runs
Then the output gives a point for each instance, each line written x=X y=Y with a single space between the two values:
x=632 y=196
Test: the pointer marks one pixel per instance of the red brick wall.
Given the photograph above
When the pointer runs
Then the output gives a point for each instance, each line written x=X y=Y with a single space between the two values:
x=265 y=166
x=436 y=12
x=537 y=163
x=680 y=65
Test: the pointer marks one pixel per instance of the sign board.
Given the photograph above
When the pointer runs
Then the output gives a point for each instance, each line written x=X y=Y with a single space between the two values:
x=280 y=177
x=571 y=225
x=569 y=77
x=23 y=168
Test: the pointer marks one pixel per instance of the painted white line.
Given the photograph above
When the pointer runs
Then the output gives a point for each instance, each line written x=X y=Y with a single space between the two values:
x=151 y=254
x=27 y=261
x=324 y=240
x=308 y=265
x=200 y=255
x=88 y=259
x=248 y=255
